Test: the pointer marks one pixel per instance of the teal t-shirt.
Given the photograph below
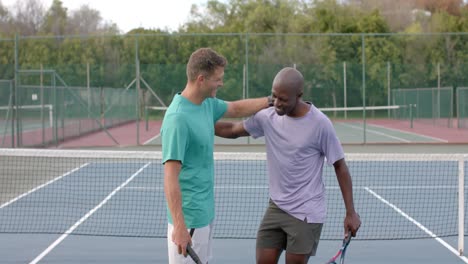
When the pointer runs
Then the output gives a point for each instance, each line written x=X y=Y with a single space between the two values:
x=187 y=135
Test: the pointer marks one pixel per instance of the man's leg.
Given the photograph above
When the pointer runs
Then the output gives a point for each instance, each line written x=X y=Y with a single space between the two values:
x=268 y=255
x=303 y=239
x=271 y=239
x=297 y=258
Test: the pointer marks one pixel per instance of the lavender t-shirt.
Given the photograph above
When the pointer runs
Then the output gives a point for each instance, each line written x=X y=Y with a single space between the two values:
x=296 y=151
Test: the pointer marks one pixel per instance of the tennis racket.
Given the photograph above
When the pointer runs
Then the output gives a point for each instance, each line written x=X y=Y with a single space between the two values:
x=342 y=251
x=193 y=255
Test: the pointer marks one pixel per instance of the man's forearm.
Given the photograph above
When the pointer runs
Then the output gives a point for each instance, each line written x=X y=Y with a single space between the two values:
x=224 y=129
x=248 y=107
x=347 y=192
x=346 y=186
x=174 y=202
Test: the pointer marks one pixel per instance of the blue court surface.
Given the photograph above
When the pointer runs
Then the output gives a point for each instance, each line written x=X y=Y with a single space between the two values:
x=84 y=249
x=103 y=212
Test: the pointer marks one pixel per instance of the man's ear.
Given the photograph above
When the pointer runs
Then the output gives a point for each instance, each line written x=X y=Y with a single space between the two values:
x=200 y=78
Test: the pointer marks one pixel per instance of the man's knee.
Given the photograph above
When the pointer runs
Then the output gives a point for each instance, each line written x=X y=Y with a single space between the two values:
x=268 y=255
x=296 y=258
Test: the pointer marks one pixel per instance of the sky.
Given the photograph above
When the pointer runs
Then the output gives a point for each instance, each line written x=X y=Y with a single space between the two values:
x=150 y=14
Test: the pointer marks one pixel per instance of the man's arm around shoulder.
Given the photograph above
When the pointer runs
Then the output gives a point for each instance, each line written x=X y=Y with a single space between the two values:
x=247 y=107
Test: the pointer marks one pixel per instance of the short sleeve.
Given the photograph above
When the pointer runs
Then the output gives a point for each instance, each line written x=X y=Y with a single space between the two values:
x=254 y=126
x=174 y=137
x=219 y=108
x=330 y=144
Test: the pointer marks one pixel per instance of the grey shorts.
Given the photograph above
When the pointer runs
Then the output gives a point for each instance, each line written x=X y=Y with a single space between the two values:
x=280 y=230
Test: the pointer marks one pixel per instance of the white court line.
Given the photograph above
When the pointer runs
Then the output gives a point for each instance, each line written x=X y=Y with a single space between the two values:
x=390 y=187
x=42 y=186
x=376 y=132
x=216 y=187
x=219 y=187
x=86 y=216
x=415 y=187
x=395 y=187
x=411 y=133
x=151 y=139
x=423 y=228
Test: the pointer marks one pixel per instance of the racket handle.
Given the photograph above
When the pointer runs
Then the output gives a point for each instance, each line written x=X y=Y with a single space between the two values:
x=193 y=255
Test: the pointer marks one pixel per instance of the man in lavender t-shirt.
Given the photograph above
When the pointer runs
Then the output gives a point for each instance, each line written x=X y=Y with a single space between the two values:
x=298 y=140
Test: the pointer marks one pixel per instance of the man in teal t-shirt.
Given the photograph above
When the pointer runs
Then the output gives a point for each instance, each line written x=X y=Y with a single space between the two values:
x=187 y=136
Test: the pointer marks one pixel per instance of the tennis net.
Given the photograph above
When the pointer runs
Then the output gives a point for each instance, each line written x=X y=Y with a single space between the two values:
x=120 y=193
x=432 y=105
x=35 y=122
x=395 y=112
x=31 y=113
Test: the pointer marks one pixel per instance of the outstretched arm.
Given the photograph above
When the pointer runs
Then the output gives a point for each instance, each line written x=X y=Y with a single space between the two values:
x=352 y=221
x=230 y=129
x=247 y=107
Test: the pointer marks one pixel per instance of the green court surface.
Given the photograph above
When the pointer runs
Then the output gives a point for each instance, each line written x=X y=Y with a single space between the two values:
x=347 y=132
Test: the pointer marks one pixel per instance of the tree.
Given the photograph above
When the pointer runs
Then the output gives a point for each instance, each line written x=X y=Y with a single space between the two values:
x=5 y=20
x=452 y=7
x=85 y=20
x=55 y=21
x=28 y=17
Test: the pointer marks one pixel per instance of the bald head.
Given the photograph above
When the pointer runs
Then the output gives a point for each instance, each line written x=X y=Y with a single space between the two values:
x=287 y=91
x=290 y=79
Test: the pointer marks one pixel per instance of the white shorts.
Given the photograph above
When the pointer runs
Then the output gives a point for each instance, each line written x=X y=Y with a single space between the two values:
x=201 y=243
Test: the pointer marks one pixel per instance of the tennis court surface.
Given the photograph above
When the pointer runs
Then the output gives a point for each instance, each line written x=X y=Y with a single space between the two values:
x=76 y=206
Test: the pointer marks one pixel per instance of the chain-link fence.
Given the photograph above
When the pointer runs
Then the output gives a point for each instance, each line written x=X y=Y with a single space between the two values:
x=94 y=83
x=462 y=107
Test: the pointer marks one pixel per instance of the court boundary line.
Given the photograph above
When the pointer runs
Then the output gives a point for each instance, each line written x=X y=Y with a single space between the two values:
x=419 y=225
x=377 y=132
x=86 y=216
x=42 y=186
x=151 y=139
x=390 y=187
x=412 y=187
x=411 y=133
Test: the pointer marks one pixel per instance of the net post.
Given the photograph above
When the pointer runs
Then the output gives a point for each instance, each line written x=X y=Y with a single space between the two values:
x=411 y=114
x=344 y=89
x=41 y=95
x=138 y=79
x=438 y=90
x=451 y=108
x=457 y=94
x=244 y=91
x=461 y=205
x=11 y=105
x=364 y=86
x=51 y=115
x=88 y=88
x=388 y=86
x=56 y=113
x=16 y=96
x=146 y=118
